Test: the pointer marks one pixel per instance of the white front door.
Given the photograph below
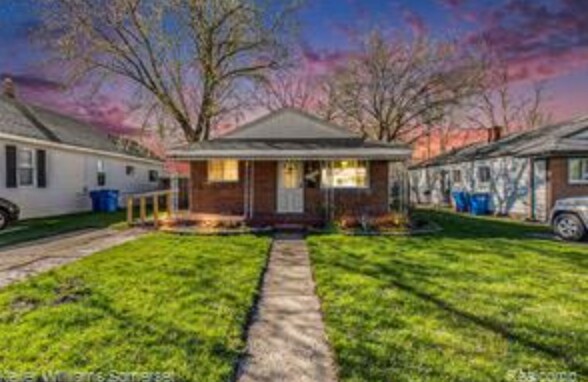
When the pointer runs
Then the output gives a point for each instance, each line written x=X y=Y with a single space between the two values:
x=290 y=187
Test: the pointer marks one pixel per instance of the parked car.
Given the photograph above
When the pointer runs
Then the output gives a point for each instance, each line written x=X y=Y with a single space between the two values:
x=569 y=218
x=8 y=213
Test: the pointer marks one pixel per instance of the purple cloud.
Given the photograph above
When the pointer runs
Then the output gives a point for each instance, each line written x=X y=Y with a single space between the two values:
x=537 y=40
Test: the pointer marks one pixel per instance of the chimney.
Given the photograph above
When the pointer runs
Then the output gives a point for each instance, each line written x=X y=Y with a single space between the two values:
x=8 y=87
x=494 y=133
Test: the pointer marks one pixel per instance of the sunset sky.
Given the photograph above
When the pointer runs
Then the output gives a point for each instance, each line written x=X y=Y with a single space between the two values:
x=542 y=40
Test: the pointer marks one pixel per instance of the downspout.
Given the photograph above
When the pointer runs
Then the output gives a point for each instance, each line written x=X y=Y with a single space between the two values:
x=246 y=191
x=324 y=189
x=533 y=185
x=252 y=191
x=332 y=189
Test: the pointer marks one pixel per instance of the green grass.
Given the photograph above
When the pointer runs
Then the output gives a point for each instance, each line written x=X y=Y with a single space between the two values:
x=475 y=302
x=33 y=229
x=162 y=303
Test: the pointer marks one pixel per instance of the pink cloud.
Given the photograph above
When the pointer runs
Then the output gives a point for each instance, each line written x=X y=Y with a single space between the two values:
x=102 y=110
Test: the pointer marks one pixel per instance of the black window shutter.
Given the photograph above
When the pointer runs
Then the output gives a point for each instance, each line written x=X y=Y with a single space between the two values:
x=10 y=166
x=41 y=168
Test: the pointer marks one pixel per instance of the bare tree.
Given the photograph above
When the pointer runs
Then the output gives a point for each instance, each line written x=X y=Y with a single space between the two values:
x=289 y=87
x=188 y=59
x=392 y=88
x=498 y=103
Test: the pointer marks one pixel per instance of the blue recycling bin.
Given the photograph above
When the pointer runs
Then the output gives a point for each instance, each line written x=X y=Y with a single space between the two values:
x=480 y=203
x=461 y=201
x=95 y=196
x=109 y=200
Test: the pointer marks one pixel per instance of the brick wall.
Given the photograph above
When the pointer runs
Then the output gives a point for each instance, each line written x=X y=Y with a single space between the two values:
x=559 y=186
x=265 y=187
x=215 y=198
x=370 y=201
x=227 y=198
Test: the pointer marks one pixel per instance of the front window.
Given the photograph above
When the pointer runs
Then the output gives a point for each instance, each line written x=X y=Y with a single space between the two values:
x=26 y=167
x=226 y=170
x=153 y=176
x=483 y=174
x=345 y=174
x=100 y=173
x=578 y=170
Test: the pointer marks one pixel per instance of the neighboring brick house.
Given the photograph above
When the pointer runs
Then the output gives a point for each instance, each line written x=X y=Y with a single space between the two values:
x=526 y=173
x=291 y=167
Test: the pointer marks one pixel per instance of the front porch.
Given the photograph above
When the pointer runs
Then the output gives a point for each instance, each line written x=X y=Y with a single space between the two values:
x=310 y=192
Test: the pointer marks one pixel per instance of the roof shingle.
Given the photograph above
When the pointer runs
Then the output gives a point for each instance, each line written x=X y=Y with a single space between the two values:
x=31 y=121
x=547 y=140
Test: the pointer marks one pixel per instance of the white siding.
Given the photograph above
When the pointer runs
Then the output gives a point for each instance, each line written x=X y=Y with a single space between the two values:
x=540 y=189
x=510 y=184
x=70 y=177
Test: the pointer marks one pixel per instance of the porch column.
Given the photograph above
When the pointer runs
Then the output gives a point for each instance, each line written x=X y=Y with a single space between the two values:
x=173 y=199
x=329 y=191
x=252 y=191
x=248 y=189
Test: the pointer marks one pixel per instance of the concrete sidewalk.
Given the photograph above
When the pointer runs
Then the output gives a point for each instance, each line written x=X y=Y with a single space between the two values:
x=287 y=341
x=23 y=260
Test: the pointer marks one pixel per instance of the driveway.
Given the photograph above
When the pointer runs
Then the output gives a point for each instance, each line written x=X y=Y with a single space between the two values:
x=21 y=261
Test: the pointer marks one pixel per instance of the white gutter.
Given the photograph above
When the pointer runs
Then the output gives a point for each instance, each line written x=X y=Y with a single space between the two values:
x=85 y=150
x=373 y=153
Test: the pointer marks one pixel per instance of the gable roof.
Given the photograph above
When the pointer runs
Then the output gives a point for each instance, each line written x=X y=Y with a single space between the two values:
x=560 y=138
x=289 y=123
x=291 y=134
x=34 y=122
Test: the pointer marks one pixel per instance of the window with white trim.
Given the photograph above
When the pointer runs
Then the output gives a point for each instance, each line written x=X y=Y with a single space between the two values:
x=456 y=174
x=578 y=170
x=484 y=174
x=26 y=167
x=153 y=176
x=100 y=173
x=345 y=174
x=223 y=170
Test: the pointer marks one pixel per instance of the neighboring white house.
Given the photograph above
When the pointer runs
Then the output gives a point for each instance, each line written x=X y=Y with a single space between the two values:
x=525 y=173
x=50 y=162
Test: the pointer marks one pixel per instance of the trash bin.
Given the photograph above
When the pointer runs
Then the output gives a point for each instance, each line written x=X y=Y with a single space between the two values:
x=109 y=200
x=480 y=203
x=461 y=201
x=96 y=205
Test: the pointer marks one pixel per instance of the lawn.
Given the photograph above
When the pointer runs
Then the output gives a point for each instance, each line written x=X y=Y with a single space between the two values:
x=479 y=301
x=32 y=229
x=163 y=303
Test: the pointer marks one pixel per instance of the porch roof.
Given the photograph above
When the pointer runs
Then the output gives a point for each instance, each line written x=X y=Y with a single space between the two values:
x=291 y=149
x=291 y=134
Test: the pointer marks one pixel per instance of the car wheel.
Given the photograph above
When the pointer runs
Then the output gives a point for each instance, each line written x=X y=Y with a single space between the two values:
x=569 y=227
x=3 y=220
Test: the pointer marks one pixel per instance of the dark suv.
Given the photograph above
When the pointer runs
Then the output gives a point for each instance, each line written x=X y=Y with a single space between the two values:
x=8 y=213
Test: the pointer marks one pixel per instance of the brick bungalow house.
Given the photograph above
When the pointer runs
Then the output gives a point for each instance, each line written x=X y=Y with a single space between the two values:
x=289 y=167
x=525 y=173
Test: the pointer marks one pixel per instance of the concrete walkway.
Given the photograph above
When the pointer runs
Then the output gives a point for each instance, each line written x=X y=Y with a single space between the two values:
x=287 y=341
x=21 y=261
